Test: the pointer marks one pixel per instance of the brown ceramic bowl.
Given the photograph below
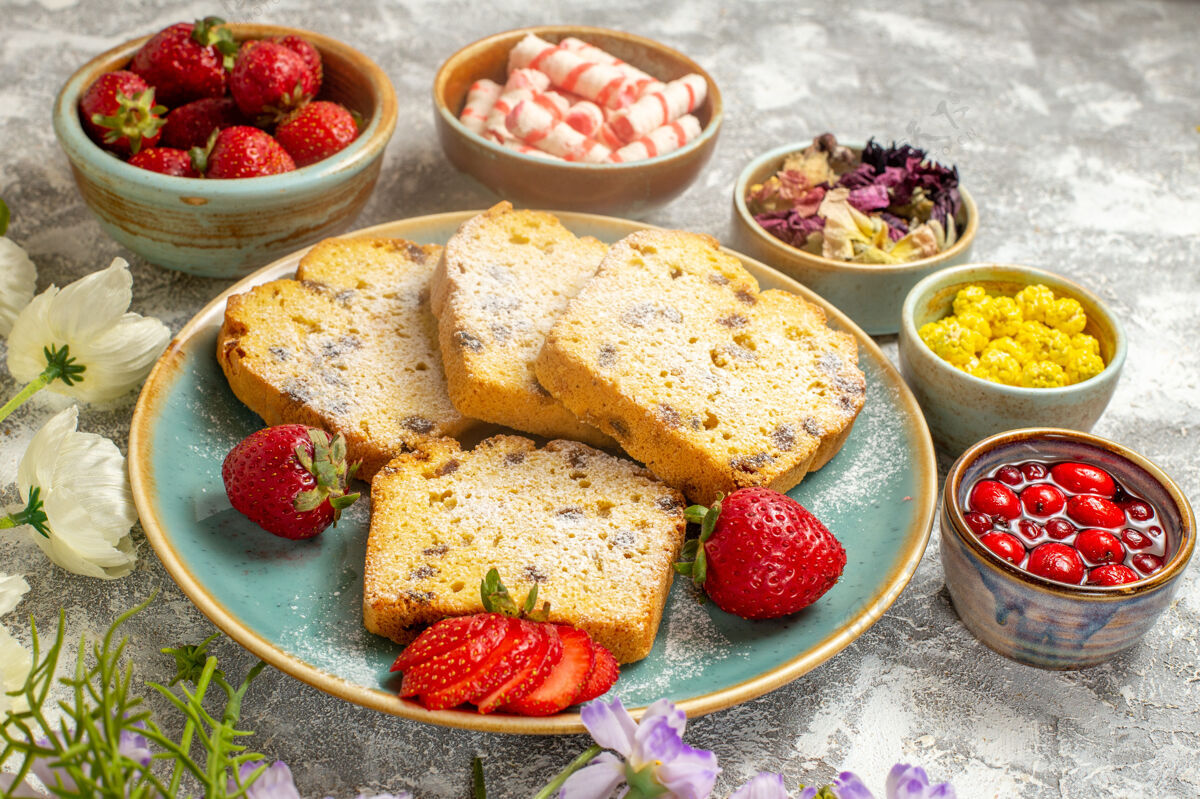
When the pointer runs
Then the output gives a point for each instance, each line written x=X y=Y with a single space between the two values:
x=622 y=189
x=228 y=228
x=1043 y=622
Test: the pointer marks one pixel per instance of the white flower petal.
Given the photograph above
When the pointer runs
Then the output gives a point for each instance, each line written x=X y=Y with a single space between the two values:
x=15 y=662
x=18 y=282
x=38 y=463
x=88 y=501
x=93 y=303
x=29 y=334
x=116 y=348
x=12 y=588
x=118 y=359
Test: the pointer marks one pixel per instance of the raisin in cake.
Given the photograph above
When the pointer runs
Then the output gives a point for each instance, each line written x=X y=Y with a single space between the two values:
x=503 y=279
x=672 y=349
x=350 y=346
x=596 y=533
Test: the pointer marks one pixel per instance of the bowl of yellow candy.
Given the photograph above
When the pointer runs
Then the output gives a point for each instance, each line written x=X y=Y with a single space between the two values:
x=991 y=347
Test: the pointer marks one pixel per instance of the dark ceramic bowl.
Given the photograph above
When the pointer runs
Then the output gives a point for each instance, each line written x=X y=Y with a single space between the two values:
x=625 y=189
x=229 y=228
x=1043 y=622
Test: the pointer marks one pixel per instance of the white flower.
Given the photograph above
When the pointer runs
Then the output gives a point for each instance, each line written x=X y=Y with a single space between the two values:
x=91 y=318
x=11 y=590
x=15 y=659
x=88 y=502
x=18 y=281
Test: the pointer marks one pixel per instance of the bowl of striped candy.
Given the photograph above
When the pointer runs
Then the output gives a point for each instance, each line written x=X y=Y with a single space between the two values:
x=577 y=118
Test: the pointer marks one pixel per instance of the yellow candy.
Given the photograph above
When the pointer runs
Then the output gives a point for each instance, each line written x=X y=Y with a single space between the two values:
x=952 y=342
x=1034 y=301
x=998 y=366
x=1066 y=315
x=1006 y=316
x=1032 y=339
x=1043 y=374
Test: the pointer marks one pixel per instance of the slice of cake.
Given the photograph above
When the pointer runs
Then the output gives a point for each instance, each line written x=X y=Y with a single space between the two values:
x=504 y=278
x=596 y=533
x=672 y=349
x=350 y=346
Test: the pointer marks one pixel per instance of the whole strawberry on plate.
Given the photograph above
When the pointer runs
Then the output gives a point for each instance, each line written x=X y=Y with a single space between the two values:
x=316 y=131
x=187 y=61
x=290 y=480
x=761 y=554
x=242 y=152
x=269 y=80
x=508 y=658
x=120 y=113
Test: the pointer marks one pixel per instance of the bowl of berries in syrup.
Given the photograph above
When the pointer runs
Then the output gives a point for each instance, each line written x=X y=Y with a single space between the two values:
x=213 y=148
x=1061 y=548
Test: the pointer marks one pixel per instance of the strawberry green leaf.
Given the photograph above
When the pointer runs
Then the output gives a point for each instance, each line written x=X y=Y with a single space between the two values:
x=695 y=513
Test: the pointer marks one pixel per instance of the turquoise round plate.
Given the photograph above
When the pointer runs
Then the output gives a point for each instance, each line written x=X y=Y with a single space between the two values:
x=298 y=606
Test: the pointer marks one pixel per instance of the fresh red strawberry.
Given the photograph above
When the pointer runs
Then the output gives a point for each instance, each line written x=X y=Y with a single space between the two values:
x=447 y=634
x=312 y=57
x=565 y=681
x=119 y=112
x=243 y=152
x=521 y=643
x=269 y=80
x=761 y=554
x=448 y=668
x=191 y=125
x=604 y=675
x=166 y=161
x=530 y=677
x=316 y=131
x=290 y=480
x=187 y=61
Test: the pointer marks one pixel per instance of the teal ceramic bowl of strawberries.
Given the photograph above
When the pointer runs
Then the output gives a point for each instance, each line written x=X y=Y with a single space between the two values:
x=226 y=228
x=1060 y=548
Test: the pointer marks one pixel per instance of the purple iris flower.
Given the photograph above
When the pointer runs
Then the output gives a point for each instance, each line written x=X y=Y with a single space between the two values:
x=275 y=781
x=903 y=782
x=649 y=756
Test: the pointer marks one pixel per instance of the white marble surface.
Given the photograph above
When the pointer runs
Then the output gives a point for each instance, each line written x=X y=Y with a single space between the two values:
x=1077 y=135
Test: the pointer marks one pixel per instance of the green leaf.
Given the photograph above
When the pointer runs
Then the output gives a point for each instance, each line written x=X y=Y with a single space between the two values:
x=189 y=659
x=478 y=789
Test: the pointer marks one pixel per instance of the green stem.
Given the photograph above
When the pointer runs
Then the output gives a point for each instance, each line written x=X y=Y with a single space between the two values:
x=555 y=784
x=32 y=514
x=59 y=366
x=38 y=383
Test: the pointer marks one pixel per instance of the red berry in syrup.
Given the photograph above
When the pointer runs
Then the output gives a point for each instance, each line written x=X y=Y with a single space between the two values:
x=1099 y=546
x=1154 y=531
x=1112 y=574
x=1082 y=478
x=1058 y=529
x=1138 y=511
x=1043 y=500
x=1094 y=511
x=995 y=499
x=1009 y=475
x=1006 y=545
x=1031 y=531
x=979 y=523
x=1033 y=471
x=1057 y=562
x=1135 y=539
x=1146 y=563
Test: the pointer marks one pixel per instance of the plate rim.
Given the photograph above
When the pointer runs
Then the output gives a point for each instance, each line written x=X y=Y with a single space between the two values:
x=142 y=482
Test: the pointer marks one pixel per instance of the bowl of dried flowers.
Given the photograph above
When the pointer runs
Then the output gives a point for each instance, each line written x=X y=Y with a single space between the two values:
x=860 y=225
